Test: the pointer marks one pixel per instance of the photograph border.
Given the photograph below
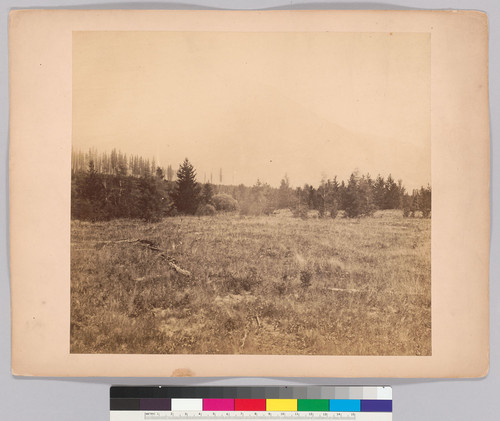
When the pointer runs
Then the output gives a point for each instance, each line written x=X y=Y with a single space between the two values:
x=40 y=82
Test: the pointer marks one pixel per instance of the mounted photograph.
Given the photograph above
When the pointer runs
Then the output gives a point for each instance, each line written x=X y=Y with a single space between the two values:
x=251 y=193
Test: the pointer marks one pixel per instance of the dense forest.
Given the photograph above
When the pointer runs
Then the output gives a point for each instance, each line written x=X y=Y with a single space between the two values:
x=109 y=186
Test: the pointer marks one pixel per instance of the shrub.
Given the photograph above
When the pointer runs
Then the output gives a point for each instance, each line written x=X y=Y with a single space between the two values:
x=204 y=210
x=172 y=211
x=249 y=207
x=240 y=284
x=225 y=203
x=300 y=211
x=334 y=209
x=305 y=278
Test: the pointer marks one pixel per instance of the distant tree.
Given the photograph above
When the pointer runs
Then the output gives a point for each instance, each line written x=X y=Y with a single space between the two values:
x=334 y=209
x=365 y=196
x=391 y=197
x=146 y=168
x=153 y=166
x=92 y=187
x=150 y=203
x=207 y=194
x=121 y=169
x=425 y=201
x=419 y=201
x=186 y=195
x=342 y=195
x=300 y=207
x=312 y=199
x=327 y=198
x=241 y=193
x=352 y=204
x=89 y=196
x=322 y=197
x=133 y=165
x=114 y=161
x=407 y=202
x=285 y=194
x=414 y=203
x=379 y=192
x=260 y=199
x=170 y=173
x=333 y=197
x=402 y=194
x=159 y=173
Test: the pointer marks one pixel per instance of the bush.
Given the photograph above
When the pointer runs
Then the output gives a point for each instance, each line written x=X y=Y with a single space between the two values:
x=305 y=278
x=205 y=210
x=225 y=203
x=249 y=207
x=334 y=209
x=300 y=211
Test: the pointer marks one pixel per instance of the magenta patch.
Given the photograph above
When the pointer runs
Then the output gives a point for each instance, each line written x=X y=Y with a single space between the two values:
x=218 y=404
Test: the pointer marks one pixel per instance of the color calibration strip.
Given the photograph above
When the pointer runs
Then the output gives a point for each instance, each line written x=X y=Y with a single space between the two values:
x=351 y=402
x=281 y=405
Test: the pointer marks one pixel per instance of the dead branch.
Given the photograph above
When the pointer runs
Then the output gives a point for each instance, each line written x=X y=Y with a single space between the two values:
x=245 y=336
x=151 y=246
x=345 y=290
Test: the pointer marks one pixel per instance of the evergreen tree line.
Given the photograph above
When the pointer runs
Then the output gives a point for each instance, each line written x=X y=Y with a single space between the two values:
x=99 y=196
x=117 y=163
x=151 y=196
x=359 y=196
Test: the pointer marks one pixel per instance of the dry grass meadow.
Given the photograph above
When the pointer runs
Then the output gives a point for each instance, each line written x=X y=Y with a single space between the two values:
x=258 y=285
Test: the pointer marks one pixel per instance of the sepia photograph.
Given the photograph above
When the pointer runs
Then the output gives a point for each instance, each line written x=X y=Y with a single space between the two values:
x=251 y=193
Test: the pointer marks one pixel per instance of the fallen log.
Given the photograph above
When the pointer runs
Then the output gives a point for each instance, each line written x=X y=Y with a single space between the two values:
x=151 y=246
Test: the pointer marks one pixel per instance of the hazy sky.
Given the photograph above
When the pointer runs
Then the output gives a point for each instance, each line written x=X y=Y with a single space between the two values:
x=259 y=105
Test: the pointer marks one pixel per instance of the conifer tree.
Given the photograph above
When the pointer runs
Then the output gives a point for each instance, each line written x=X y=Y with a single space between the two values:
x=186 y=194
x=90 y=196
x=352 y=204
x=365 y=196
x=425 y=201
x=160 y=175
x=207 y=194
x=379 y=192
x=150 y=206
x=170 y=173
x=285 y=194
x=391 y=194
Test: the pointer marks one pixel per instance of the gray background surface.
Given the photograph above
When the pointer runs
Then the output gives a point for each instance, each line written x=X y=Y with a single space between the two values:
x=76 y=399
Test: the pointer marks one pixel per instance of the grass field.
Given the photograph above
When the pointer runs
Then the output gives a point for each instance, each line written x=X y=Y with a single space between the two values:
x=258 y=285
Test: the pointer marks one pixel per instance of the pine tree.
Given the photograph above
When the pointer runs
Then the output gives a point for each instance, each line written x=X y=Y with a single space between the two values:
x=159 y=173
x=391 y=200
x=402 y=193
x=285 y=194
x=425 y=201
x=186 y=195
x=90 y=196
x=170 y=173
x=150 y=206
x=365 y=195
x=352 y=204
x=333 y=197
x=92 y=188
x=207 y=194
x=323 y=196
x=379 y=192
